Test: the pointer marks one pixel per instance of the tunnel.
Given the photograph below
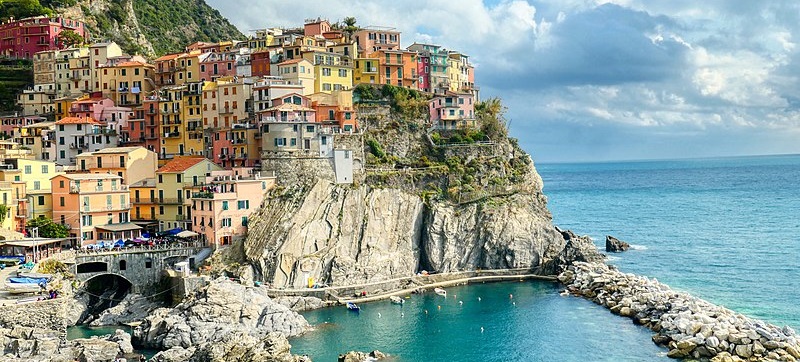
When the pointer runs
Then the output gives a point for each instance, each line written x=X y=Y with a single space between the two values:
x=102 y=292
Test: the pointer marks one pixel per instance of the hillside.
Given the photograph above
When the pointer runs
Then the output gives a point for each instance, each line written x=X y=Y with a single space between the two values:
x=147 y=27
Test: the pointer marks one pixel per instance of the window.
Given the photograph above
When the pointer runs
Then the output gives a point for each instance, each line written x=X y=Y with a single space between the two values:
x=178 y=178
x=148 y=263
x=310 y=129
x=343 y=73
x=61 y=201
x=122 y=263
x=61 y=184
x=293 y=142
x=161 y=210
x=243 y=204
x=28 y=169
x=226 y=222
x=244 y=220
x=160 y=179
x=460 y=100
x=41 y=200
x=326 y=71
x=45 y=169
x=224 y=205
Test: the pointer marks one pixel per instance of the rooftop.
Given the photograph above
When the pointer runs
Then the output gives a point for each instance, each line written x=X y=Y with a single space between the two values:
x=77 y=120
x=90 y=176
x=180 y=164
x=111 y=150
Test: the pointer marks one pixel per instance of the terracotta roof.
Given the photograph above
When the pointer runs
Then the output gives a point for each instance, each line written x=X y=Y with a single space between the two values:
x=76 y=120
x=133 y=64
x=291 y=61
x=289 y=107
x=169 y=57
x=180 y=164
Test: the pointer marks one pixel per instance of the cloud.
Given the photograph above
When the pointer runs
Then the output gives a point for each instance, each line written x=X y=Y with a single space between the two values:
x=604 y=79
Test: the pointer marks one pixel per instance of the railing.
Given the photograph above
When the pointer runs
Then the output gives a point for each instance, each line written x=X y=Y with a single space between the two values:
x=144 y=248
x=166 y=201
x=172 y=135
x=144 y=200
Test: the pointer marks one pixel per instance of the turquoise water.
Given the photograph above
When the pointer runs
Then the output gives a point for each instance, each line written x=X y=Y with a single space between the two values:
x=76 y=332
x=724 y=229
x=727 y=230
x=536 y=325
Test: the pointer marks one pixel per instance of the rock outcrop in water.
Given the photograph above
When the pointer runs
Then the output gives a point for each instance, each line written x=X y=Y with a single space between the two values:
x=614 y=245
x=690 y=327
x=224 y=321
x=34 y=344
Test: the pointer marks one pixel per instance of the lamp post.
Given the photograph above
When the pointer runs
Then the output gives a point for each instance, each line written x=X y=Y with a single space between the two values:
x=35 y=234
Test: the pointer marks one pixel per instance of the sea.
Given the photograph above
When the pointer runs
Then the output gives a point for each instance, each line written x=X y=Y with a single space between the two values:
x=724 y=229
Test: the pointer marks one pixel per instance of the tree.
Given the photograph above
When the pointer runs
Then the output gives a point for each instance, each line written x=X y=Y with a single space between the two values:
x=19 y=9
x=350 y=26
x=69 y=38
x=48 y=228
x=491 y=116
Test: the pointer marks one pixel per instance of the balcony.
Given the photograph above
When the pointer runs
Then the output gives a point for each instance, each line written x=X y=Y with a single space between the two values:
x=165 y=201
x=151 y=111
x=241 y=156
x=370 y=70
x=239 y=141
x=226 y=110
x=144 y=201
x=78 y=146
x=144 y=217
x=104 y=131
x=172 y=135
x=151 y=137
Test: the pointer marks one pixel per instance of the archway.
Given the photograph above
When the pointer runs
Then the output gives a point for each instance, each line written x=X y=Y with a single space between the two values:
x=104 y=291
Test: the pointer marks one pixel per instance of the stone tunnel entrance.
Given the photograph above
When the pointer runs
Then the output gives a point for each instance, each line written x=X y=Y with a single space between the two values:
x=102 y=292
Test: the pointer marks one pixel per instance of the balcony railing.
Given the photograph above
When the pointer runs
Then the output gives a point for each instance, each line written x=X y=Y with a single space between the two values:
x=166 y=201
x=144 y=200
x=172 y=135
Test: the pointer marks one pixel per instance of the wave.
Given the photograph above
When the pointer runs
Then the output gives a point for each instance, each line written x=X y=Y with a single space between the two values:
x=638 y=247
x=612 y=258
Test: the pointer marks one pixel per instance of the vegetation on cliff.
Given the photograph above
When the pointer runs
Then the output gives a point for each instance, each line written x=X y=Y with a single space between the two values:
x=148 y=27
x=460 y=165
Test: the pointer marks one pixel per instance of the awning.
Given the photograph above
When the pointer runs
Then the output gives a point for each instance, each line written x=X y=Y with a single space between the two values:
x=128 y=226
x=29 y=243
x=186 y=234
x=6 y=234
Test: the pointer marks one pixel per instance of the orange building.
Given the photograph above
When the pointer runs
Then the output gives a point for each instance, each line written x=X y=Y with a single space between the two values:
x=95 y=207
x=397 y=67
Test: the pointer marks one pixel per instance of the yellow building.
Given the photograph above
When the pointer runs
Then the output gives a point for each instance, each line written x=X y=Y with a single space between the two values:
x=144 y=204
x=80 y=72
x=133 y=164
x=297 y=71
x=366 y=71
x=187 y=68
x=127 y=83
x=9 y=202
x=99 y=55
x=39 y=138
x=332 y=71
x=181 y=121
x=175 y=182
x=35 y=190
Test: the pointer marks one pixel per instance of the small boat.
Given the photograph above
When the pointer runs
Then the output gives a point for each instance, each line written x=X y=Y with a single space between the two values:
x=396 y=300
x=22 y=288
x=441 y=292
x=353 y=307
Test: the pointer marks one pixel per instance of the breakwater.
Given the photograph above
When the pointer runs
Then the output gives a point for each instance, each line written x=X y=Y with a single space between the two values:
x=688 y=326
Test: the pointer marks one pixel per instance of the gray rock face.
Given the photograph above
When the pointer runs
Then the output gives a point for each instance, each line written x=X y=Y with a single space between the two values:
x=614 y=245
x=133 y=308
x=361 y=356
x=33 y=344
x=299 y=304
x=222 y=308
x=342 y=235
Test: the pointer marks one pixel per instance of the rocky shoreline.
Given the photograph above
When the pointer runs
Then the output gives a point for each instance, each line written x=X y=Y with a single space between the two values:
x=688 y=326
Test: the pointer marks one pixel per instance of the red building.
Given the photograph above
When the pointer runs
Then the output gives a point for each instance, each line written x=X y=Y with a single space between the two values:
x=259 y=63
x=24 y=38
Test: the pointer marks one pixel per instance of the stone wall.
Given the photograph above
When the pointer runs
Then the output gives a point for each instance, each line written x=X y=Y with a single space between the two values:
x=136 y=269
x=51 y=314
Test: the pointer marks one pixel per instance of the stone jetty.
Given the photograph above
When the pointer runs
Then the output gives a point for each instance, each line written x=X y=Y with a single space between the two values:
x=688 y=326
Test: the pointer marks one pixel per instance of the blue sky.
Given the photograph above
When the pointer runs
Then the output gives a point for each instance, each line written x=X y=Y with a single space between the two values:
x=598 y=80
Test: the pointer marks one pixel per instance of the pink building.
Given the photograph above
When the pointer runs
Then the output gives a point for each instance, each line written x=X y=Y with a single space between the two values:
x=452 y=111
x=296 y=109
x=372 y=39
x=424 y=72
x=104 y=110
x=220 y=210
x=24 y=38
x=215 y=65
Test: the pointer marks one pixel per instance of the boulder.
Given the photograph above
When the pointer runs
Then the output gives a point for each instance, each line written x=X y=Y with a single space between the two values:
x=614 y=245
x=354 y=356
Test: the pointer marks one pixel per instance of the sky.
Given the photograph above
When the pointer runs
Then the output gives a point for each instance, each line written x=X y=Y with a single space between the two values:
x=603 y=80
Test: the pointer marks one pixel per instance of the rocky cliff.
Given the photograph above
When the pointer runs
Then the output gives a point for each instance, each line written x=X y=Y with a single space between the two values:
x=421 y=203
x=152 y=27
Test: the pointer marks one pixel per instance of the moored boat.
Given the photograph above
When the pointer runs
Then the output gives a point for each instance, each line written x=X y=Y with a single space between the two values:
x=22 y=288
x=440 y=291
x=396 y=300
x=353 y=307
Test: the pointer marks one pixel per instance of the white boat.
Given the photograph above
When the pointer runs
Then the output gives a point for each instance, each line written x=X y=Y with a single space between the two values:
x=396 y=300
x=440 y=291
x=22 y=288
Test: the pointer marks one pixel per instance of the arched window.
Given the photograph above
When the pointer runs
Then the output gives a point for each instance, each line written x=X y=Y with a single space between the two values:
x=123 y=265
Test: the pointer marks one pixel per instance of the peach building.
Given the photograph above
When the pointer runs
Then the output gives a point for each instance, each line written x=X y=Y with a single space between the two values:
x=452 y=111
x=95 y=207
x=133 y=164
x=221 y=208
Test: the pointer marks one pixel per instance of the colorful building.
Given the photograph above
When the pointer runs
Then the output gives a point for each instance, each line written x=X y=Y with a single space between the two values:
x=435 y=70
x=397 y=67
x=133 y=164
x=298 y=71
x=95 y=207
x=77 y=135
x=175 y=183
x=452 y=111
x=372 y=39
x=39 y=138
x=144 y=204
x=222 y=206
x=25 y=37
x=35 y=178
